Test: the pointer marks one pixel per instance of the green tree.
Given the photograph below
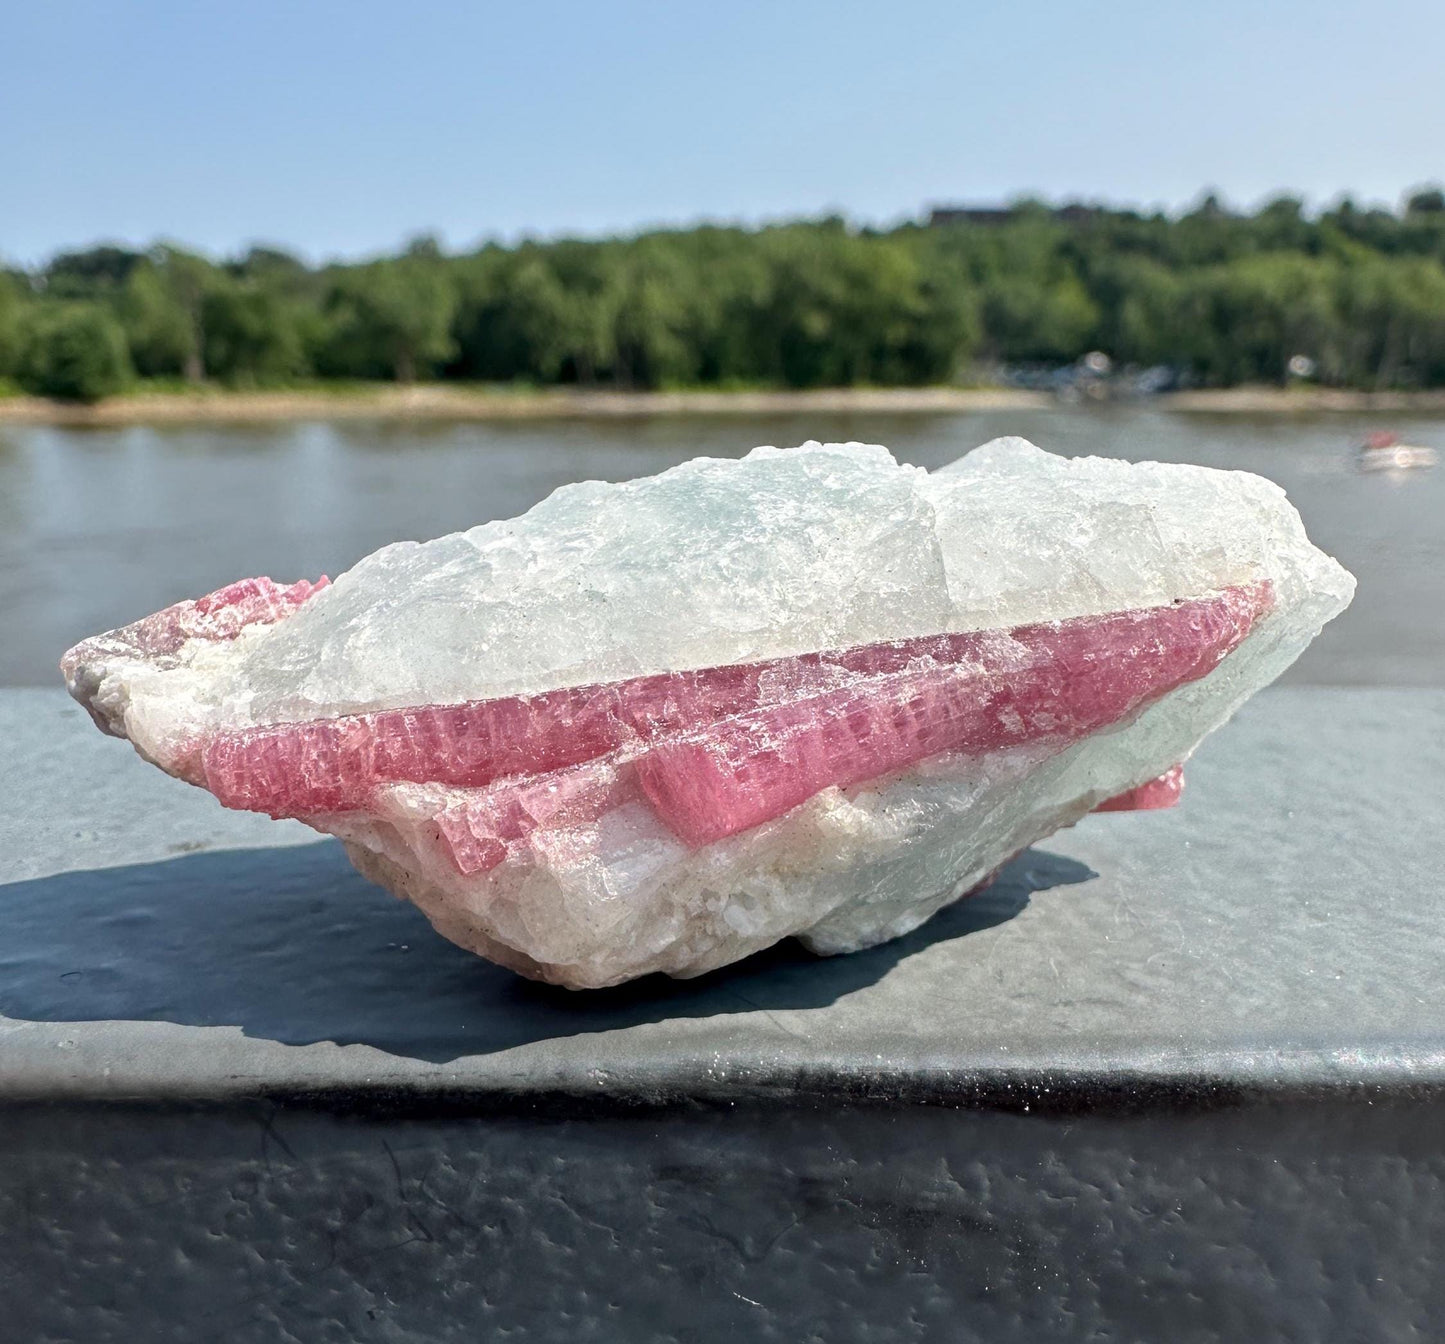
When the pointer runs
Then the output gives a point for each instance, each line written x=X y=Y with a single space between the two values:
x=1051 y=322
x=254 y=335
x=76 y=352
x=1226 y=295
x=91 y=274
x=185 y=278
x=649 y=303
x=159 y=330
x=14 y=314
x=1393 y=317
x=842 y=308
x=392 y=318
x=1426 y=201
x=537 y=313
x=1146 y=315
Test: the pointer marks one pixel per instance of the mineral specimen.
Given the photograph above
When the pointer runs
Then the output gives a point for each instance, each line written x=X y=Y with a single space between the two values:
x=659 y=725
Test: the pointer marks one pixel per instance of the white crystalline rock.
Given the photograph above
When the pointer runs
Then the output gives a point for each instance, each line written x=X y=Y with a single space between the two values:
x=715 y=563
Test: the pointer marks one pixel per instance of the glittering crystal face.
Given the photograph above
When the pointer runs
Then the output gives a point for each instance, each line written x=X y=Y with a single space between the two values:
x=660 y=725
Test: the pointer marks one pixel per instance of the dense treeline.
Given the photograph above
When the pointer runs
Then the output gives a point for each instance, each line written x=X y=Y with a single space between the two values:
x=1220 y=297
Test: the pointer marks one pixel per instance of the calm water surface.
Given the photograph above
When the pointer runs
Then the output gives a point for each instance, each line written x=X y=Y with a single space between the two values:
x=98 y=527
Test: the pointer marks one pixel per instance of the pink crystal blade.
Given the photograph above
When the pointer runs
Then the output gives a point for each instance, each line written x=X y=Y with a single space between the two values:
x=718 y=750
x=333 y=765
x=1056 y=682
x=217 y=617
x=478 y=831
x=1157 y=793
x=1164 y=647
x=221 y=615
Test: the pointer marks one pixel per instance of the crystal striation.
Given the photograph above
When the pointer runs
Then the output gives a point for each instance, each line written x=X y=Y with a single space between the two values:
x=660 y=725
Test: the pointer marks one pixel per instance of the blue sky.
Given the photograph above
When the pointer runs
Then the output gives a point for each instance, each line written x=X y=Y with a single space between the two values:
x=341 y=129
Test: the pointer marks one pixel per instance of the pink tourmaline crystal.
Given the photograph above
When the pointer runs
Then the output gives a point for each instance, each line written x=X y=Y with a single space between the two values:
x=987 y=693
x=845 y=717
x=1162 y=792
x=660 y=725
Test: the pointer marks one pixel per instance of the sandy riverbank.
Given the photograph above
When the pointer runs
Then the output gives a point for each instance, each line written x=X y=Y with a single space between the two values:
x=1254 y=400
x=442 y=402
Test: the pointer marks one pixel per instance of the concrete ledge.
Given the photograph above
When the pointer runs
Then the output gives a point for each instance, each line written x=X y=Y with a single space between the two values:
x=1177 y=1075
x=1283 y=928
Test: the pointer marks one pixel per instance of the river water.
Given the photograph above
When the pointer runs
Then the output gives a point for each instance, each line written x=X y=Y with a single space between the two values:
x=100 y=526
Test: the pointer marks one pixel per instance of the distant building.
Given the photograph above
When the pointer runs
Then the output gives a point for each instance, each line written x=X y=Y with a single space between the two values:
x=942 y=215
x=991 y=216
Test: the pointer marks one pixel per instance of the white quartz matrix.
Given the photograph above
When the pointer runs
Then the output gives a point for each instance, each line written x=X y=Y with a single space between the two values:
x=782 y=554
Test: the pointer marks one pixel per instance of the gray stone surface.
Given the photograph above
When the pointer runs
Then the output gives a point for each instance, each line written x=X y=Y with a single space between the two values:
x=1177 y=1076
x=1283 y=926
x=1301 y=1223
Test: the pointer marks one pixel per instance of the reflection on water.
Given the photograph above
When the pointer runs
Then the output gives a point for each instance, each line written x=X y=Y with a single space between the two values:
x=98 y=527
